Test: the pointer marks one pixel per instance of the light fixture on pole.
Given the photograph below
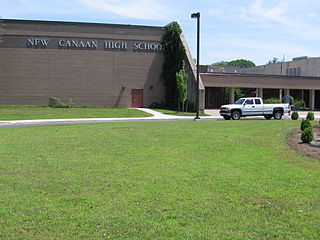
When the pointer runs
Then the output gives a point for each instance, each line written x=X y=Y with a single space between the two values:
x=197 y=16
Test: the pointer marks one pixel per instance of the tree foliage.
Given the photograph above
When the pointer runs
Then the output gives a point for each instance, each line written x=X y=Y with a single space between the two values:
x=182 y=83
x=242 y=63
x=238 y=93
x=174 y=54
x=305 y=123
x=307 y=135
x=221 y=63
x=239 y=62
x=274 y=61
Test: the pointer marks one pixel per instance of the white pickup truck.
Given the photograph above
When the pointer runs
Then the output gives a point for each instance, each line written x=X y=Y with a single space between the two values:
x=253 y=106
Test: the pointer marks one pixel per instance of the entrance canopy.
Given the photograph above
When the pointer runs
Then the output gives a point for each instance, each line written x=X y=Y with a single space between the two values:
x=259 y=81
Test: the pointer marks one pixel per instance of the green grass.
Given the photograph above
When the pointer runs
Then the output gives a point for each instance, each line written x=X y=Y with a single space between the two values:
x=36 y=112
x=176 y=113
x=157 y=180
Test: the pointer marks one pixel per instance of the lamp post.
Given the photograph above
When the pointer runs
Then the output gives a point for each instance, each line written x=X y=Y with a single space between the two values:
x=197 y=16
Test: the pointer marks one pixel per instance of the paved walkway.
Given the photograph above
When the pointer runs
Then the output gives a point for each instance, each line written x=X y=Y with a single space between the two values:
x=157 y=116
x=49 y=122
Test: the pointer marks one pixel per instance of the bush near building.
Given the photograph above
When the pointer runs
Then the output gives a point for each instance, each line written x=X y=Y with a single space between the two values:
x=299 y=104
x=307 y=135
x=294 y=115
x=305 y=124
x=310 y=116
x=272 y=100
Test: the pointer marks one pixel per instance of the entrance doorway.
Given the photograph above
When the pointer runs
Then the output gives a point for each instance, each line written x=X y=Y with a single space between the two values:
x=214 y=97
x=137 y=98
x=317 y=99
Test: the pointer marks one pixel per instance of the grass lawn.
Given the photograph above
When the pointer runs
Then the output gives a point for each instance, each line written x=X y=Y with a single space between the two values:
x=27 y=113
x=176 y=113
x=157 y=180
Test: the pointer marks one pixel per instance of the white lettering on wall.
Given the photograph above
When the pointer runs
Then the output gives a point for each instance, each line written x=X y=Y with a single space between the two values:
x=61 y=43
x=77 y=43
x=91 y=44
x=115 y=45
x=37 y=42
x=148 y=46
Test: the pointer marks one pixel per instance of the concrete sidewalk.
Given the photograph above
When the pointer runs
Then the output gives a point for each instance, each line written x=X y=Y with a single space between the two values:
x=157 y=116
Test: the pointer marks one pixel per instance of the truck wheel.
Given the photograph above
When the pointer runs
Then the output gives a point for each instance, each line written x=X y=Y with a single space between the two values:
x=235 y=115
x=277 y=115
x=268 y=116
x=226 y=117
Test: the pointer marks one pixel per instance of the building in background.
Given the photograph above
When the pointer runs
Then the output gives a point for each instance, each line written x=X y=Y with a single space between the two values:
x=299 y=78
x=300 y=66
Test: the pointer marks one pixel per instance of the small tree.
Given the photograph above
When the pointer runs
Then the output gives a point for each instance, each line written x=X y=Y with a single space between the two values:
x=305 y=124
x=310 y=116
x=307 y=135
x=294 y=115
x=182 y=83
x=174 y=53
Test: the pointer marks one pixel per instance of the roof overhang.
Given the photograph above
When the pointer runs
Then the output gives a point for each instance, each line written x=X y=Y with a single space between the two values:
x=260 y=81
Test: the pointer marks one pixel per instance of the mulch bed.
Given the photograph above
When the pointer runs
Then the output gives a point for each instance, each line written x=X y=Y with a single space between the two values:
x=311 y=149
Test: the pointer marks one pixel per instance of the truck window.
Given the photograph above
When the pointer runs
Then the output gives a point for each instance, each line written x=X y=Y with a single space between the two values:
x=249 y=101
x=239 y=101
x=257 y=101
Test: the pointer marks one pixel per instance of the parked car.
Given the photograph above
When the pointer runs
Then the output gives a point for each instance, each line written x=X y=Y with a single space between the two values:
x=253 y=106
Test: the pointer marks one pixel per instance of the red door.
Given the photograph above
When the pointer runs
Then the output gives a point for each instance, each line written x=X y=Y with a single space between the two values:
x=137 y=98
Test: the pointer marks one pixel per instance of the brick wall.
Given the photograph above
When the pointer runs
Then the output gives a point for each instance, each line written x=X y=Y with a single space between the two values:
x=90 y=76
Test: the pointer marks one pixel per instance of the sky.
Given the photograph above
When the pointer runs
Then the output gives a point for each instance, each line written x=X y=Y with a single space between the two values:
x=256 y=30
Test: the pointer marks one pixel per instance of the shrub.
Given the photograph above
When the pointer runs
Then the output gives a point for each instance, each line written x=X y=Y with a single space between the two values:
x=305 y=124
x=310 y=116
x=307 y=135
x=299 y=104
x=272 y=100
x=56 y=102
x=294 y=115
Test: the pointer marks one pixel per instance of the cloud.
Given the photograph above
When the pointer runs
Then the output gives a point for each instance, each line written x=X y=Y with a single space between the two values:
x=37 y=8
x=136 y=9
x=288 y=18
x=313 y=15
x=257 y=11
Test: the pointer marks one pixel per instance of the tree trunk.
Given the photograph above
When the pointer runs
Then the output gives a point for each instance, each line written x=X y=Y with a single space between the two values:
x=187 y=104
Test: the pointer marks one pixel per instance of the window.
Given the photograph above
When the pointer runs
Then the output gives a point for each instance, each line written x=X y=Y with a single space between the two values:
x=294 y=72
x=290 y=71
x=249 y=101
x=298 y=71
x=239 y=101
x=257 y=101
x=287 y=71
